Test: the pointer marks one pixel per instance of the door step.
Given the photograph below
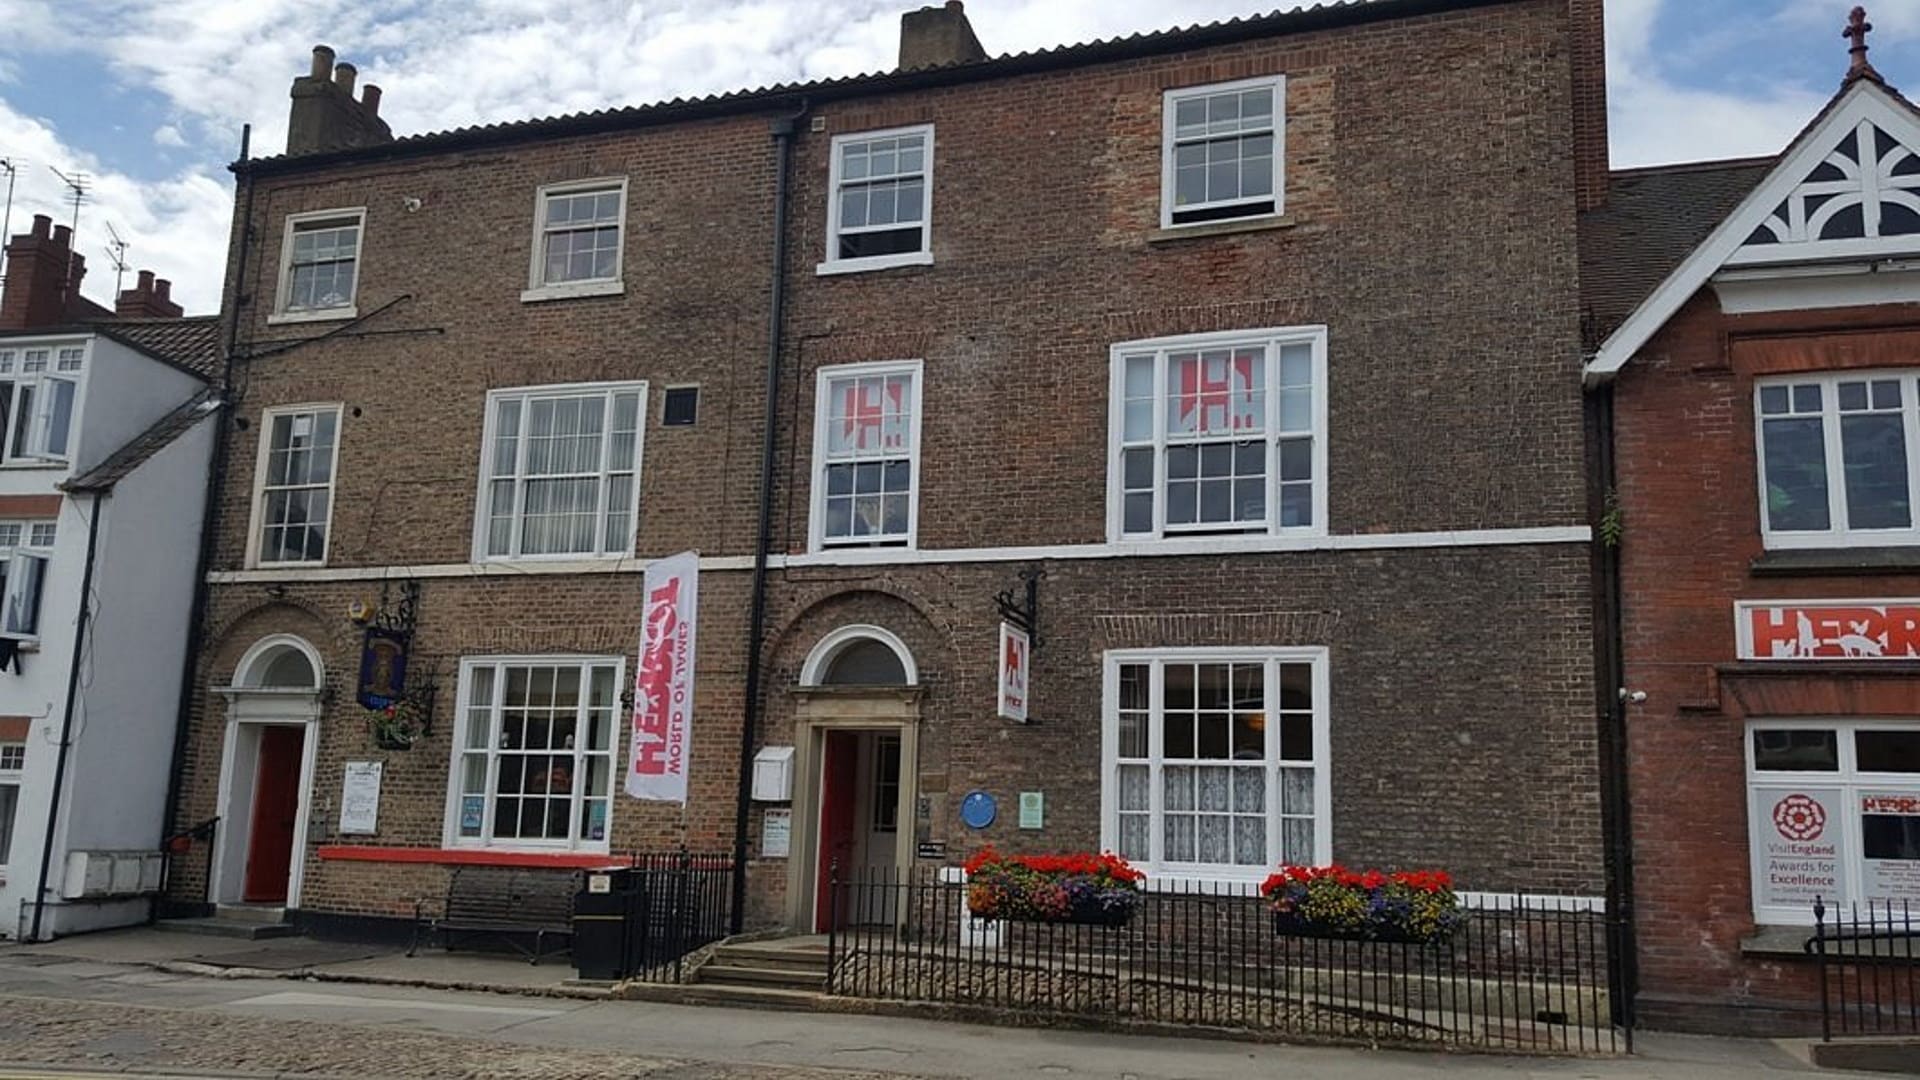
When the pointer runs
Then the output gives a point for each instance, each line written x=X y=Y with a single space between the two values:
x=261 y=913
x=758 y=997
x=767 y=966
x=221 y=926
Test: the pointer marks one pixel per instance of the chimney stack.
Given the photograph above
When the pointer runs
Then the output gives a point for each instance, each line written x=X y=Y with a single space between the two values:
x=43 y=278
x=938 y=37
x=325 y=115
x=150 y=298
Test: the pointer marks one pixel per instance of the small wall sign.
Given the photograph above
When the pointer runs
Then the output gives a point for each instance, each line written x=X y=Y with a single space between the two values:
x=776 y=833
x=930 y=849
x=360 y=799
x=978 y=810
x=1033 y=809
x=1016 y=655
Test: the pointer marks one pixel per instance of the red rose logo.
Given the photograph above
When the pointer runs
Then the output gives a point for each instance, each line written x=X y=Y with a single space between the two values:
x=1799 y=818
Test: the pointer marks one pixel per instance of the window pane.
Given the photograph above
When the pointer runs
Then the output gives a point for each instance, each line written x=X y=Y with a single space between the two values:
x=1796 y=749
x=1796 y=474
x=1890 y=836
x=1882 y=750
x=1873 y=452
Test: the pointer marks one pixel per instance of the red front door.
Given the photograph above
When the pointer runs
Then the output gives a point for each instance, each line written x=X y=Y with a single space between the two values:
x=839 y=775
x=276 y=802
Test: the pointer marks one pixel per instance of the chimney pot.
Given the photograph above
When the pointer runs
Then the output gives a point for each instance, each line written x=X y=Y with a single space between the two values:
x=343 y=76
x=956 y=5
x=41 y=223
x=162 y=289
x=322 y=62
x=146 y=281
x=62 y=236
x=370 y=98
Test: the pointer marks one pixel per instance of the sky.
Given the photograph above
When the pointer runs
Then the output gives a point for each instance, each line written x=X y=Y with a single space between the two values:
x=145 y=98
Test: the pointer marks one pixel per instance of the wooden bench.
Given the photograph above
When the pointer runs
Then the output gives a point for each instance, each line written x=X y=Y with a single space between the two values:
x=506 y=902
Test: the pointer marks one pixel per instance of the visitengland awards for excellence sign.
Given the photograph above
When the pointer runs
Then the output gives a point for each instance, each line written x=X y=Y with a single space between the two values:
x=663 y=686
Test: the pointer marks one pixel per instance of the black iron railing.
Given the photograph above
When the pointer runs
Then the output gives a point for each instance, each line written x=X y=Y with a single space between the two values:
x=1519 y=974
x=679 y=906
x=1869 y=968
x=182 y=842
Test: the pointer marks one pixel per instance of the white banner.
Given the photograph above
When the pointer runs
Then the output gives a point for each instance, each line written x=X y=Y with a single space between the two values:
x=1016 y=653
x=663 y=685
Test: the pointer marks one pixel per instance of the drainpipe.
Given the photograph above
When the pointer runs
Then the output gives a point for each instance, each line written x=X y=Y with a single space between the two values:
x=210 y=513
x=66 y=721
x=782 y=130
x=1611 y=665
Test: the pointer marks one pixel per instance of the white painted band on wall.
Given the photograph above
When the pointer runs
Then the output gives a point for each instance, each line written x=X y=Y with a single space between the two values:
x=1255 y=545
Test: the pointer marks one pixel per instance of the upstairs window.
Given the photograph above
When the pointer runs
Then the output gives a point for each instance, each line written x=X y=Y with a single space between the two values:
x=561 y=471
x=39 y=389
x=320 y=264
x=13 y=761
x=1221 y=152
x=578 y=233
x=293 y=512
x=882 y=200
x=25 y=551
x=1837 y=459
x=1219 y=433
x=866 y=454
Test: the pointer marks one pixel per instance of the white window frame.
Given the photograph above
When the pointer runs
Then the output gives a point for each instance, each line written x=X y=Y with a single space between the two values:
x=1847 y=777
x=54 y=366
x=1271 y=339
x=25 y=590
x=349 y=310
x=1171 y=98
x=14 y=778
x=1272 y=658
x=538 y=288
x=817 y=539
x=256 y=525
x=450 y=834
x=1838 y=534
x=482 y=507
x=833 y=264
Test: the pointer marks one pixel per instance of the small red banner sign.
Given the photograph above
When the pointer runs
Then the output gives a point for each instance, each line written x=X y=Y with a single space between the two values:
x=1828 y=629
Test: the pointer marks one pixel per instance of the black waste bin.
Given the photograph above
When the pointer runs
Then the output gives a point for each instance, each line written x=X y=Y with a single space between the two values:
x=601 y=913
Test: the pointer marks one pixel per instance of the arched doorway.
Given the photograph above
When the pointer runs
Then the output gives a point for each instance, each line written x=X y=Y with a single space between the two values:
x=857 y=712
x=266 y=772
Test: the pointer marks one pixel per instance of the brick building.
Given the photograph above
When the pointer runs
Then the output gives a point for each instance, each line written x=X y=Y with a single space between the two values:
x=1258 y=341
x=1756 y=323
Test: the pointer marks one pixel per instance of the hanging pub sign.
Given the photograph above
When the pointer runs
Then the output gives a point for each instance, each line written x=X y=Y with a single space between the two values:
x=1016 y=654
x=1828 y=629
x=383 y=667
x=663 y=686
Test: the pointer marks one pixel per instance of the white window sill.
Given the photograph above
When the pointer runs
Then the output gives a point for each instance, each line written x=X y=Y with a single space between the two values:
x=281 y=318
x=28 y=466
x=877 y=262
x=320 y=564
x=1892 y=538
x=1227 y=227
x=506 y=562
x=572 y=290
x=1204 y=543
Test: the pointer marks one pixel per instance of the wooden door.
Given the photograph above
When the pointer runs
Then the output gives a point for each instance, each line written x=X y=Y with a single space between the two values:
x=276 y=803
x=839 y=786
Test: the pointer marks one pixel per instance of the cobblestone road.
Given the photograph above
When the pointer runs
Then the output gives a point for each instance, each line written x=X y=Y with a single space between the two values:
x=102 y=1037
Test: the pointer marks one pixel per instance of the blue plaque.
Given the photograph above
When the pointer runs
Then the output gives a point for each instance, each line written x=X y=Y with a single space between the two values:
x=978 y=810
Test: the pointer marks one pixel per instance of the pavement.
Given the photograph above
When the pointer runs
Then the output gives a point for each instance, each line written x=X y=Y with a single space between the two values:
x=145 y=1002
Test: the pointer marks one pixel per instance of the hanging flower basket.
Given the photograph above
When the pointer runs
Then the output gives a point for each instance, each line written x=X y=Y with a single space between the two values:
x=402 y=724
x=1091 y=890
x=1412 y=907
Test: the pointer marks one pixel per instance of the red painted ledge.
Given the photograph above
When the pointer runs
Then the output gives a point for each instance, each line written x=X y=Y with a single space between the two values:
x=464 y=856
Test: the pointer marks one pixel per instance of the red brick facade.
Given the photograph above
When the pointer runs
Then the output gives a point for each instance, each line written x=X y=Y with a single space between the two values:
x=1430 y=182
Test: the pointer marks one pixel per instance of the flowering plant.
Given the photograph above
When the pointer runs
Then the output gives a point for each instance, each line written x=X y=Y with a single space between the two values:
x=400 y=724
x=1080 y=888
x=1333 y=901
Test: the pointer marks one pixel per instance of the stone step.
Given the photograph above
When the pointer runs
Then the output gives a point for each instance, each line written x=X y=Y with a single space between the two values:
x=751 y=956
x=757 y=997
x=721 y=974
x=260 y=913
x=228 y=928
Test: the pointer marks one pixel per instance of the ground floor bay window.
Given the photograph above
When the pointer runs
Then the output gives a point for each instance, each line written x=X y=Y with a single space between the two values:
x=533 y=753
x=1214 y=761
x=1833 y=813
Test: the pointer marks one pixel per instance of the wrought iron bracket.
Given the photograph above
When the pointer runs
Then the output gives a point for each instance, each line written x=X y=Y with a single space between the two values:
x=398 y=618
x=1023 y=611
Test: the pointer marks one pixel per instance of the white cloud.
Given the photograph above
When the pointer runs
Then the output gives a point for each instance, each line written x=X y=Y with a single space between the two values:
x=168 y=135
x=177 y=227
